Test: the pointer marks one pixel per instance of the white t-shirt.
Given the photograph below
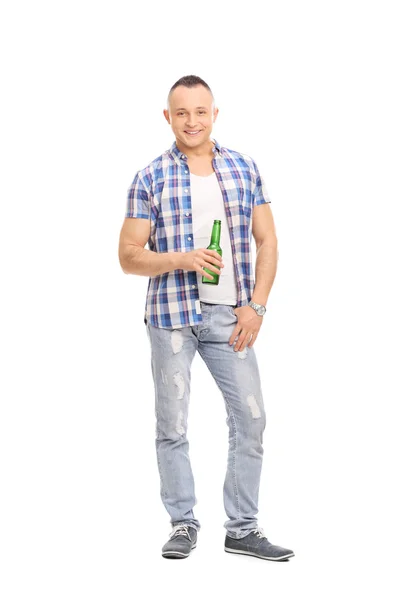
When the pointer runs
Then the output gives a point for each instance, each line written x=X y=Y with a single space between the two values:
x=208 y=205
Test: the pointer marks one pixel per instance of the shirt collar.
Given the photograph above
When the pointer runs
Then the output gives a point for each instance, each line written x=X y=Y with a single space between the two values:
x=180 y=158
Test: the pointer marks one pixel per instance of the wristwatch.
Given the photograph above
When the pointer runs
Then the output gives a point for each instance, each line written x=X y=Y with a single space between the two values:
x=260 y=309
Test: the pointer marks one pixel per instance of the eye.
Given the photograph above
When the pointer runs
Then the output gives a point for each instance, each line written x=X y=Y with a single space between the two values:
x=180 y=114
x=201 y=112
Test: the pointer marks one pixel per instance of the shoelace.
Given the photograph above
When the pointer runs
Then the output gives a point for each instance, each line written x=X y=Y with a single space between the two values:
x=259 y=532
x=180 y=530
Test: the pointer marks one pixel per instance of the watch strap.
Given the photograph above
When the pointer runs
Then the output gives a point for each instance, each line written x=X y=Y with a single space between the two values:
x=256 y=306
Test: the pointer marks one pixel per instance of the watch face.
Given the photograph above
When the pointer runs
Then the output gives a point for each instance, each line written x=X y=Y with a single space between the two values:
x=261 y=310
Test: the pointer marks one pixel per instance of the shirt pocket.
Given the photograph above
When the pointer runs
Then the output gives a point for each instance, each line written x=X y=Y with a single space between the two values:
x=240 y=205
x=169 y=209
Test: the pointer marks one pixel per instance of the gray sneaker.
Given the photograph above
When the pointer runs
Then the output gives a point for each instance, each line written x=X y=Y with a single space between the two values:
x=256 y=544
x=182 y=540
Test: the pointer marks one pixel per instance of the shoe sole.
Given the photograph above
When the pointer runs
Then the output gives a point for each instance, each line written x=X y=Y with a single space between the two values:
x=278 y=558
x=174 y=554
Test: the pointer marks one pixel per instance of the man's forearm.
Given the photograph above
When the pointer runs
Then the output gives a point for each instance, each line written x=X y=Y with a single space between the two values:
x=140 y=261
x=265 y=271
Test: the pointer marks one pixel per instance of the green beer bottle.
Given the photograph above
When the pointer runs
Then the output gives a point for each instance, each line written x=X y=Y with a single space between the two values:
x=214 y=245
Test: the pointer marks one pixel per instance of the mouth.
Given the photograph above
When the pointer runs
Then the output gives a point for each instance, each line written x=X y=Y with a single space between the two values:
x=192 y=133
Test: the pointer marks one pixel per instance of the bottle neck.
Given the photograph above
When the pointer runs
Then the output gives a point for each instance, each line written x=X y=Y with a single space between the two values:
x=215 y=234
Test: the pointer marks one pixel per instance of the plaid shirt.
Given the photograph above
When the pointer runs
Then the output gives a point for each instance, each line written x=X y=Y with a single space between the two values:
x=161 y=193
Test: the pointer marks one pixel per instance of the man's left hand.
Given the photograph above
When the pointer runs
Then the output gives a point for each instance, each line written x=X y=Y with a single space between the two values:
x=247 y=327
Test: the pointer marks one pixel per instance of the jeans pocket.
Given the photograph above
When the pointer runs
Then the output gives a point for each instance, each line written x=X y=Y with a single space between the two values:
x=231 y=310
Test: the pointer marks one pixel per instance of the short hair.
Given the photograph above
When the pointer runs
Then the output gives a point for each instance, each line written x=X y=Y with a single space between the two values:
x=190 y=81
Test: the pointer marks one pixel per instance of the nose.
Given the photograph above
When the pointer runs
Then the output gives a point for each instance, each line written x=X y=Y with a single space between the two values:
x=191 y=121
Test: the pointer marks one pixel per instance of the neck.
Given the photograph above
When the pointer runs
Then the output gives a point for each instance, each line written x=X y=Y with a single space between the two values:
x=203 y=151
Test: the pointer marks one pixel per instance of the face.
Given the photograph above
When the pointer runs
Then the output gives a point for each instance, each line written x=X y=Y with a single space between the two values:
x=191 y=116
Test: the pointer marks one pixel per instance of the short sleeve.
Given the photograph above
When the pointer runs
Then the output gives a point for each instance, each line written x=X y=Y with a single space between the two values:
x=260 y=193
x=138 y=204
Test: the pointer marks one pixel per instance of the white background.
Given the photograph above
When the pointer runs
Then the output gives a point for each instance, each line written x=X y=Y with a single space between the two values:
x=323 y=96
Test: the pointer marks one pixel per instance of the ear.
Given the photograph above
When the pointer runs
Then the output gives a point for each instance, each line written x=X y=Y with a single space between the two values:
x=166 y=115
x=215 y=113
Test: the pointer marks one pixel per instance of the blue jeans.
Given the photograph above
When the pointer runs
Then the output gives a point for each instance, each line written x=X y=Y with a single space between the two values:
x=237 y=376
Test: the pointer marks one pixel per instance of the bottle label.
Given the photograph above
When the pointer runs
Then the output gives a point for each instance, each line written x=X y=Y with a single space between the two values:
x=197 y=307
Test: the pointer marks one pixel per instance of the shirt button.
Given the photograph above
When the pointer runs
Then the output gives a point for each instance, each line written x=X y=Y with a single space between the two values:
x=185 y=191
x=182 y=155
x=185 y=171
x=189 y=238
x=187 y=214
x=193 y=286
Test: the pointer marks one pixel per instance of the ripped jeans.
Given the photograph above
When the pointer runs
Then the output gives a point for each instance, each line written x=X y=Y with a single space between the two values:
x=237 y=376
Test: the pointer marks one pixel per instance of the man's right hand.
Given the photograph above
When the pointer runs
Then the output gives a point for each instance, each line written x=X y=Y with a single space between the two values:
x=195 y=260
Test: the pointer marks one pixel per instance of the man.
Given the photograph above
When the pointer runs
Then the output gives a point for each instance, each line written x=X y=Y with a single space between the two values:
x=171 y=205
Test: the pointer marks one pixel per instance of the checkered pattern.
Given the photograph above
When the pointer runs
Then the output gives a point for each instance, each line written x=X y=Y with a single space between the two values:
x=161 y=193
